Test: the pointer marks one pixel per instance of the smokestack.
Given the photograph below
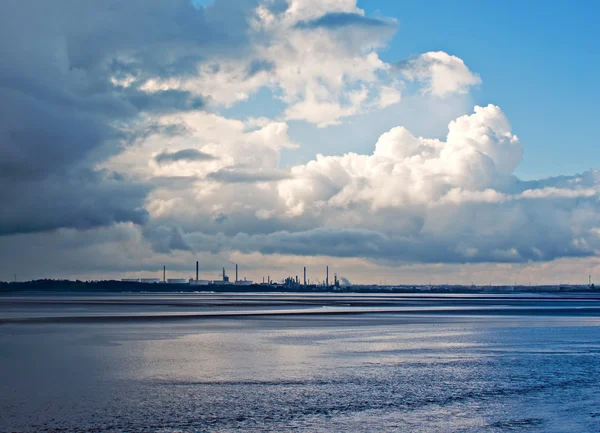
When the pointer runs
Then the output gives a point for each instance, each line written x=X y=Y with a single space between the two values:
x=305 y=275
x=327 y=277
x=268 y=279
x=196 y=270
x=236 y=274
x=164 y=274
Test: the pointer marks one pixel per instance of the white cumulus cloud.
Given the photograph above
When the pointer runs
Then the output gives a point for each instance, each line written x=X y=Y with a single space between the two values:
x=441 y=73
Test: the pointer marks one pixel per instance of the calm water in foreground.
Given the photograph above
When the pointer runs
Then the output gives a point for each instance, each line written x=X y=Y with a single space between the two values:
x=441 y=369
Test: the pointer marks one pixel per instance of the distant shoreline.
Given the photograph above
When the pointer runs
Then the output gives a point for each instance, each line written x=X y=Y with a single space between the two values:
x=110 y=286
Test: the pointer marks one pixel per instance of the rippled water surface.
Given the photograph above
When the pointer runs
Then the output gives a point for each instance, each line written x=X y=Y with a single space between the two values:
x=330 y=373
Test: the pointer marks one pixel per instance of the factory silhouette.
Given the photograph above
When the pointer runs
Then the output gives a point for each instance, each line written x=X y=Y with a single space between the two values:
x=289 y=282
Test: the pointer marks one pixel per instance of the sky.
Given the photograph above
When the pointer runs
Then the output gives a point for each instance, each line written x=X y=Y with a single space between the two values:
x=407 y=142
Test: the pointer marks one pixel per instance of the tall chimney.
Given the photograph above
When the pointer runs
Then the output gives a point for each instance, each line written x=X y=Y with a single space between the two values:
x=305 y=275
x=236 y=274
x=196 y=270
x=327 y=277
x=164 y=274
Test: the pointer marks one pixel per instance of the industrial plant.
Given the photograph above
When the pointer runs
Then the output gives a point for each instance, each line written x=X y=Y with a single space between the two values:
x=297 y=283
x=288 y=282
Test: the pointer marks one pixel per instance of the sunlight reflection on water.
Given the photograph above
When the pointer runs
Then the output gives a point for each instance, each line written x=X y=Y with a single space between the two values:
x=340 y=373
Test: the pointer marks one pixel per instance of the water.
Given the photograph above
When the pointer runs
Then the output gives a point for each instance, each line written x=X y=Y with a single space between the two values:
x=449 y=371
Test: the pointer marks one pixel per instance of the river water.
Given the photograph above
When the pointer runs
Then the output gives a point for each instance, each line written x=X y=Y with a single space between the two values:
x=278 y=363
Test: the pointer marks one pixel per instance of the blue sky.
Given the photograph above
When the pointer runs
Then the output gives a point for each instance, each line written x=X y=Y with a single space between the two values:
x=538 y=60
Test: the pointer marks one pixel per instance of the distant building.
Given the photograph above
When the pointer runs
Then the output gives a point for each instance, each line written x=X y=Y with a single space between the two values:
x=130 y=280
x=177 y=281
x=150 y=280
x=198 y=282
x=243 y=283
x=224 y=280
x=220 y=283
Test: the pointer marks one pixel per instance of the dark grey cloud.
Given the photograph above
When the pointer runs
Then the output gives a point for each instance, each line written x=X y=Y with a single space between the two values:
x=335 y=20
x=166 y=239
x=147 y=37
x=62 y=114
x=182 y=155
x=42 y=136
x=82 y=199
x=377 y=246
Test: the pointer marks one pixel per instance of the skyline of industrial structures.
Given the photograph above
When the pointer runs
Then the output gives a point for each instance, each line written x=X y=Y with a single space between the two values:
x=224 y=280
x=296 y=282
